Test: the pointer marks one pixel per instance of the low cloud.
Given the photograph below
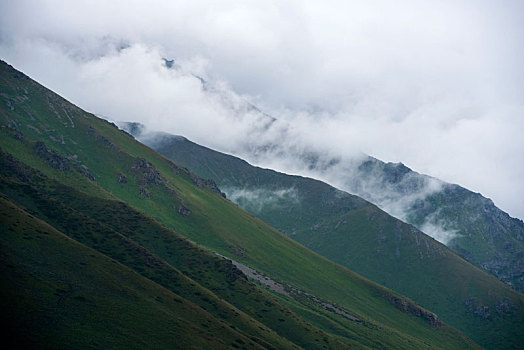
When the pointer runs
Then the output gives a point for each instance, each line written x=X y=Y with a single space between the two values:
x=438 y=230
x=437 y=86
x=258 y=199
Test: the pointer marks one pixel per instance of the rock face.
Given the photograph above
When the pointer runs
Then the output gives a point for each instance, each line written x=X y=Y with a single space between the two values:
x=122 y=179
x=52 y=158
x=409 y=307
x=207 y=183
x=200 y=182
x=286 y=290
x=60 y=162
x=184 y=211
x=144 y=192
x=84 y=170
x=148 y=174
x=233 y=273
x=168 y=63
x=503 y=307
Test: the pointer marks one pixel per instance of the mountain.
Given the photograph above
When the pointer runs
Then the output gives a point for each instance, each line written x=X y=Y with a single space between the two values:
x=107 y=244
x=355 y=233
x=64 y=294
x=467 y=222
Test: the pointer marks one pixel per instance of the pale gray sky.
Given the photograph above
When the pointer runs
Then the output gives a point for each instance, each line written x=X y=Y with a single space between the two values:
x=437 y=85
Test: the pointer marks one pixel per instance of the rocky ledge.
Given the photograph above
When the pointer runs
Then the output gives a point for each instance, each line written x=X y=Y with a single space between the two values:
x=409 y=307
x=52 y=158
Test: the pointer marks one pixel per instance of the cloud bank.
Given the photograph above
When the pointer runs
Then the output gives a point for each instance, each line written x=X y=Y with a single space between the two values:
x=257 y=199
x=436 y=85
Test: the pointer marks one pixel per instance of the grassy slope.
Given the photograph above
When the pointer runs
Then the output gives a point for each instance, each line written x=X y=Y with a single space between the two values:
x=124 y=234
x=485 y=235
x=58 y=292
x=358 y=235
x=214 y=222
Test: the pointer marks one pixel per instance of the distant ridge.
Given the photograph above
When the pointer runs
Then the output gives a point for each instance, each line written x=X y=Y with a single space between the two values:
x=354 y=233
x=107 y=244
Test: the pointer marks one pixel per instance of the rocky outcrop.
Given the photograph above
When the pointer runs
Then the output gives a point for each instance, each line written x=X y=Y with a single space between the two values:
x=144 y=192
x=60 y=162
x=473 y=306
x=180 y=170
x=84 y=170
x=122 y=179
x=136 y=129
x=198 y=181
x=410 y=308
x=147 y=173
x=503 y=307
x=238 y=251
x=287 y=290
x=184 y=211
x=233 y=273
x=206 y=183
x=52 y=158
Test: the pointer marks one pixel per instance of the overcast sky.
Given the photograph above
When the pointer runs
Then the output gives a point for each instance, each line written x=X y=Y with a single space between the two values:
x=437 y=85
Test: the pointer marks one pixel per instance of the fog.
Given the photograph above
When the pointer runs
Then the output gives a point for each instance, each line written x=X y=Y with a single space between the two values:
x=257 y=199
x=437 y=86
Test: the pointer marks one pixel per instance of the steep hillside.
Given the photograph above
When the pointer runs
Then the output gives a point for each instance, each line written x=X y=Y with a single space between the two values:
x=467 y=222
x=58 y=292
x=358 y=235
x=123 y=234
x=84 y=178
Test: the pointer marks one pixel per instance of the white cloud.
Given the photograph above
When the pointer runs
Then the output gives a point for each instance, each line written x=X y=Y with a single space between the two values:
x=257 y=199
x=436 y=85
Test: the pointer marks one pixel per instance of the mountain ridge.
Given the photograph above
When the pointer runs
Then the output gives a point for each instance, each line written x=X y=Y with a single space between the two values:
x=336 y=224
x=91 y=172
x=445 y=211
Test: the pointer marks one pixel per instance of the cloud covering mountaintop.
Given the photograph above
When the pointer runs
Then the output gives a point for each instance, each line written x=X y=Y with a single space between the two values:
x=437 y=86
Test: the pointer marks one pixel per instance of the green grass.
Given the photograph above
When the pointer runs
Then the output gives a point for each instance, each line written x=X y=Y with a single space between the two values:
x=134 y=223
x=358 y=235
x=59 y=293
x=127 y=236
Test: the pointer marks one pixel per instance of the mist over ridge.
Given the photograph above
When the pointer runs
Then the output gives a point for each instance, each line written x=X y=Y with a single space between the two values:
x=468 y=223
x=435 y=86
